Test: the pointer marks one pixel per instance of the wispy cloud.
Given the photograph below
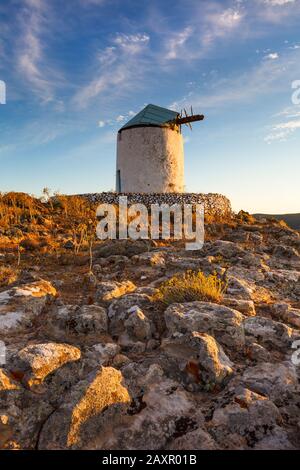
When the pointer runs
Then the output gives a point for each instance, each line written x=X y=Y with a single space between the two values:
x=117 y=120
x=265 y=78
x=197 y=38
x=283 y=130
x=175 y=44
x=272 y=56
x=278 y=2
x=276 y=11
x=280 y=132
x=133 y=43
x=116 y=66
x=31 y=50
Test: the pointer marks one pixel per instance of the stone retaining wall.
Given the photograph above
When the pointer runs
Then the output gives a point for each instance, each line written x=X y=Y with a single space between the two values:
x=215 y=204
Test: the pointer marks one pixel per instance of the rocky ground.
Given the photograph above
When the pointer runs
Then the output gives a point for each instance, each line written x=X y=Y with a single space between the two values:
x=94 y=362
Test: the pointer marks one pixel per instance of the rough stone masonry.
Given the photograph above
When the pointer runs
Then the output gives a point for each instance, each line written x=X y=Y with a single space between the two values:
x=215 y=205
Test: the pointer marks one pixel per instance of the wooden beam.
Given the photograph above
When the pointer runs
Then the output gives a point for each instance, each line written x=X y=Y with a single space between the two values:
x=187 y=119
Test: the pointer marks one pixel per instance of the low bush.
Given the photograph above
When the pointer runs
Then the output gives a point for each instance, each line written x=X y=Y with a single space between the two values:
x=191 y=286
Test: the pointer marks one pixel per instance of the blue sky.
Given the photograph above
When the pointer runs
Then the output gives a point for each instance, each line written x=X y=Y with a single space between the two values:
x=75 y=71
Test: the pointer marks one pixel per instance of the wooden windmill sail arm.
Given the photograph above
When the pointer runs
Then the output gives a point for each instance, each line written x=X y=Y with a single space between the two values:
x=187 y=119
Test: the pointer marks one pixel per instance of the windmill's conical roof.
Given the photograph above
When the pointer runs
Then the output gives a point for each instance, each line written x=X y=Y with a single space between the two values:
x=151 y=115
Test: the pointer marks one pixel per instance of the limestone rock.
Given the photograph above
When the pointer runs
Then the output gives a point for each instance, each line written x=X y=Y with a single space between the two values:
x=240 y=288
x=200 y=358
x=257 y=353
x=278 y=440
x=100 y=354
x=271 y=380
x=244 y=306
x=107 y=291
x=97 y=398
x=163 y=412
x=123 y=247
x=224 y=323
x=287 y=314
x=198 y=439
x=137 y=324
x=22 y=413
x=153 y=259
x=250 y=418
x=269 y=332
x=286 y=252
x=119 y=310
x=226 y=249
x=36 y=361
x=19 y=306
x=87 y=322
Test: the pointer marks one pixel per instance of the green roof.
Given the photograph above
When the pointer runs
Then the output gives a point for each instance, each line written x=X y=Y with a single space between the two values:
x=151 y=115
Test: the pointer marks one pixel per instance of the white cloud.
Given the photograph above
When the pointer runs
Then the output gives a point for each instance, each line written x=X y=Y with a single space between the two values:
x=132 y=44
x=227 y=19
x=281 y=132
x=175 y=44
x=116 y=67
x=277 y=11
x=290 y=112
x=31 y=59
x=272 y=56
x=101 y=123
x=278 y=2
x=30 y=50
x=196 y=40
x=100 y=84
x=267 y=77
x=221 y=24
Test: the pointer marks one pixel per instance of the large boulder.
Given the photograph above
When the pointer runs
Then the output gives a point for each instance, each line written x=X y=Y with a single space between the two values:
x=272 y=380
x=22 y=413
x=243 y=422
x=161 y=413
x=199 y=358
x=19 y=306
x=224 y=323
x=86 y=322
x=120 y=310
x=97 y=398
x=269 y=332
x=36 y=361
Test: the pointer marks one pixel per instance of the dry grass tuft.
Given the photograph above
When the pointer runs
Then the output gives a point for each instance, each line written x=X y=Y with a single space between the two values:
x=8 y=275
x=191 y=286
